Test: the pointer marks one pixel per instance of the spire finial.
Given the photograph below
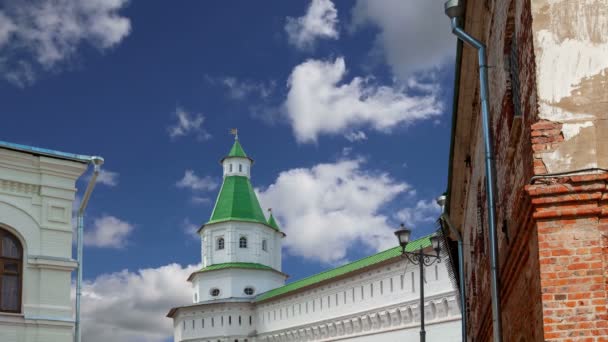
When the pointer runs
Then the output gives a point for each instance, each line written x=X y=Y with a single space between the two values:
x=235 y=132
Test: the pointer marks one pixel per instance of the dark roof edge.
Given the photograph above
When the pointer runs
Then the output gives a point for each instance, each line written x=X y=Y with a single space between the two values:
x=457 y=66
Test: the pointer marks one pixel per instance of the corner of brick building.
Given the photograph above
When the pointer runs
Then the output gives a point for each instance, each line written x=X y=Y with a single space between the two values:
x=552 y=230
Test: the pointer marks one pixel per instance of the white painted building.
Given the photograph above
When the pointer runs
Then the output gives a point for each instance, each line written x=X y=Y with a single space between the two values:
x=240 y=292
x=37 y=190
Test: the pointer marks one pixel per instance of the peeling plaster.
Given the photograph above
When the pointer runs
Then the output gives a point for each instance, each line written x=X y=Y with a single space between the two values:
x=561 y=66
x=571 y=56
x=570 y=130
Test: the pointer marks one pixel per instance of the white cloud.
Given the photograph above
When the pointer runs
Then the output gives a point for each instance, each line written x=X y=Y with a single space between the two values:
x=318 y=104
x=240 y=89
x=337 y=205
x=191 y=229
x=107 y=177
x=413 y=35
x=131 y=306
x=423 y=212
x=355 y=136
x=108 y=231
x=187 y=124
x=42 y=34
x=7 y=27
x=193 y=182
x=320 y=21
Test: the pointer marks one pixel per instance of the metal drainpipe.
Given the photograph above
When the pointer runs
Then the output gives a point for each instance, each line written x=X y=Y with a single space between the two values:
x=463 y=291
x=454 y=10
x=97 y=162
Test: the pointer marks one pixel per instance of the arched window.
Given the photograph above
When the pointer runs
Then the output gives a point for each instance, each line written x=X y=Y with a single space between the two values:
x=220 y=243
x=264 y=245
x=11 y=259
x=243 y=242
x=230 y=167
x=240 y=167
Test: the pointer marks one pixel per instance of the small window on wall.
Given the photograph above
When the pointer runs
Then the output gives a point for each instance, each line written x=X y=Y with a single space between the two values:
x=195 y=298
x=214 y=292
x=11 y=257
x=240 y=167
x=243 y=242
x=264 y=245
x=230 y=167
x=249 y=290
x=220 y=243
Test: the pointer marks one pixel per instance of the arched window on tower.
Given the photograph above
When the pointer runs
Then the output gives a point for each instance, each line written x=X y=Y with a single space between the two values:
x=220 y=243
x=264 y=245
x=243 y=242
x=240 y=167
x=230 y=167
x=11 y=265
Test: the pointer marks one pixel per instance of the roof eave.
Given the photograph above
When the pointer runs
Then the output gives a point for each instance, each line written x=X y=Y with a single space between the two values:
x=191 y=277
x=239 y=220
x=46 y=152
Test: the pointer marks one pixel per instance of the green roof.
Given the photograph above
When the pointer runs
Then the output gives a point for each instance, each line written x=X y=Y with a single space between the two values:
x=237 y=150
x=273 y=223
x=242 y=265
x=237 y=201
x=345 y=269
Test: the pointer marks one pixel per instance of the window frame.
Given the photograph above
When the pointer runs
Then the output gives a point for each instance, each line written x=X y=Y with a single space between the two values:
x=243 y=241
x=265 y=245
x=220 y=244
x=19 y=273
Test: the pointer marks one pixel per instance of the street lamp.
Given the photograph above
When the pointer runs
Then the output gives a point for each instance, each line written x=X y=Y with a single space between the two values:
x=421 y=259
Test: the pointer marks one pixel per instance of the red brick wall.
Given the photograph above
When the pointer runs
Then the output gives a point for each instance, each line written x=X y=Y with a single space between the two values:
x=571 y=216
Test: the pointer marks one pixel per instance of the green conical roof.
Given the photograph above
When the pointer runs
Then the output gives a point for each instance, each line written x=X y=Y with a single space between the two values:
x=237 y=150
x=273 y=223
x=237 y=201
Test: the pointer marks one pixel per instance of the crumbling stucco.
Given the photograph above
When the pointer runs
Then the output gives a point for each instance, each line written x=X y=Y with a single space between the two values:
x=571 y=51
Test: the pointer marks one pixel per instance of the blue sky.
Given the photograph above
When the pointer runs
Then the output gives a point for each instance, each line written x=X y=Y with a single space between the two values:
x=344 y=106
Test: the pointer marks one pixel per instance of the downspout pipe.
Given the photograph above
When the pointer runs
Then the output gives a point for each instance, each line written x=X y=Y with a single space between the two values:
x=455 y=10
x=463 y=291
x=97 y=162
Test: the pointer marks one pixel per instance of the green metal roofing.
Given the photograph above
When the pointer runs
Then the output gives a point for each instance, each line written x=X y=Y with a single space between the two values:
x=237 y=201
x=237 y=150
x=273 y=223
x=345 y=269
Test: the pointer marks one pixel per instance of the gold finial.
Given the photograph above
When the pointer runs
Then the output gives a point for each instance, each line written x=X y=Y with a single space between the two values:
x=235 y=132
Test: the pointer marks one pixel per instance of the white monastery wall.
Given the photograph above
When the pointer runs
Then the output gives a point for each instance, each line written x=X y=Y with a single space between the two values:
x=381 y=304
x=383 y=299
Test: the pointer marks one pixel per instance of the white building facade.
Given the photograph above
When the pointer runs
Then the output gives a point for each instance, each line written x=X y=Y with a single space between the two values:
x=37 y=191
x=240 y=293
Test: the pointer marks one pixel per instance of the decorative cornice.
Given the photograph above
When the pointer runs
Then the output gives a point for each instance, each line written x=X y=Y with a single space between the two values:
x=18 y=187
x=396 y=317
x=571 y=196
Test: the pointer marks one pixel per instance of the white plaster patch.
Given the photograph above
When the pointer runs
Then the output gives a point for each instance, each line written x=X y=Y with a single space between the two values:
x=557 y=114
x=563 y=65
x=570 y=130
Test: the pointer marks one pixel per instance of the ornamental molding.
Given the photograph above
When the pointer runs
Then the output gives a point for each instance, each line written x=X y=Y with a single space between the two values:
x=558 y=197
x=14 y=187
x=374 y=321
